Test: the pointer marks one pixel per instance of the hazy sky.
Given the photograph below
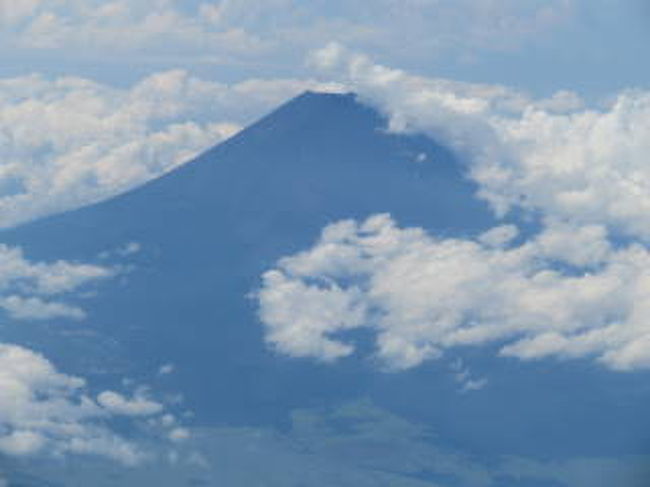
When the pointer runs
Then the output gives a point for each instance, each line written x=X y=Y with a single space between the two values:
x=594 y=46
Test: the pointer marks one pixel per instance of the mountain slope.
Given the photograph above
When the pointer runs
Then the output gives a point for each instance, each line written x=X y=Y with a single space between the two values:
x=209 y=229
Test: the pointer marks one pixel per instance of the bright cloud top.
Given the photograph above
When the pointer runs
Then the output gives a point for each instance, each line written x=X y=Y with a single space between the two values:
x=565 y=293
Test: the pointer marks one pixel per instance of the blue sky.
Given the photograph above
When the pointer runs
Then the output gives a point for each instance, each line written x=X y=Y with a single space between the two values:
x=593 y=47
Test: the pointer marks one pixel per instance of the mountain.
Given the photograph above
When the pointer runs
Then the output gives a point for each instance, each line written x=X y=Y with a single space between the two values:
x=209 y=229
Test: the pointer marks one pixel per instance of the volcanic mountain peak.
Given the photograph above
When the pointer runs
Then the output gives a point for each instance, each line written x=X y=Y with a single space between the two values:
x=208 y=230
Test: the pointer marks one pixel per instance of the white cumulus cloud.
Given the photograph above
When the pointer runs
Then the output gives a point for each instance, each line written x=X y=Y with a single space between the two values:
x=42 y=410
x=423 y=295
x=116 y=403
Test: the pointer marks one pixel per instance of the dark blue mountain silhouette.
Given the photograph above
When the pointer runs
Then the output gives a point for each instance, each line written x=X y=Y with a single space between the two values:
x=209 y=229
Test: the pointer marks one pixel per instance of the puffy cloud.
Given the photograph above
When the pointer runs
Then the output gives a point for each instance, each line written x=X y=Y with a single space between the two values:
x=423 y=295
x=315 y=311
x=33 y=308
x=43 y=410
x=26 y=287
x=69 y=141
x=137 y=406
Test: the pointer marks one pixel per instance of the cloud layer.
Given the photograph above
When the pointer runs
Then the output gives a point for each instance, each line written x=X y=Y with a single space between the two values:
x=274 y=30
x=565 y=293
x=68 y=142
